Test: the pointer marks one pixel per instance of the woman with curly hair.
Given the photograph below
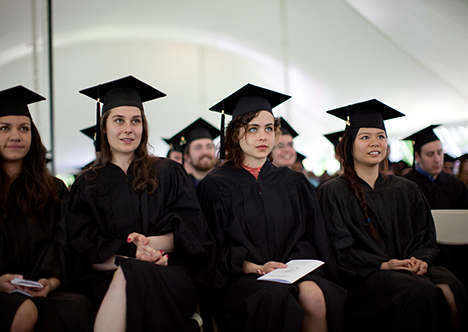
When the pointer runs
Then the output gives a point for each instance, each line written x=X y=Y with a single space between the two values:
x=261 y=217
x=127 y=214
x=30 y=211
x=383 y=236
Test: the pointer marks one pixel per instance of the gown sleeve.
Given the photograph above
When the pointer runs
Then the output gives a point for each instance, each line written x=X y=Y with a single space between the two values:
x=87 y=243
x=423 y=243
x=184 y=218
x=316 y=233
x=52 y=263
x=227 y=257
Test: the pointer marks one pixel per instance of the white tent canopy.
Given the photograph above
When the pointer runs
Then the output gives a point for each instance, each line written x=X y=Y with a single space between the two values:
x=409 y=54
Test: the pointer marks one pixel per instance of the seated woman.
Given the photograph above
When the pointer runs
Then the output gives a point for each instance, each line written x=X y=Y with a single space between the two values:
x=30 y=211
x=262 y=217
x=133 y=210
x=383 y=236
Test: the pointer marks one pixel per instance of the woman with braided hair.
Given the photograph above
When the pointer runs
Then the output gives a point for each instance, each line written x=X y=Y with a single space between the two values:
x=383 y=236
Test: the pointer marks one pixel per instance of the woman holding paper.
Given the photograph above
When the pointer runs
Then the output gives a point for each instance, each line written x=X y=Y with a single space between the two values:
x=262 y=217
x=383 y=236
x=30 y=210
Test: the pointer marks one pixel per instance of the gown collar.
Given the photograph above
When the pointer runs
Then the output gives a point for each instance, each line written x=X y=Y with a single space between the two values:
x=377 y=185
x=423 y=172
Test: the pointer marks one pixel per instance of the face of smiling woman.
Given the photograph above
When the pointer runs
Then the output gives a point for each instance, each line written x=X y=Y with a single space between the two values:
x=284 y=153
x=369 y=147
x=124 y=127
x=15 y=137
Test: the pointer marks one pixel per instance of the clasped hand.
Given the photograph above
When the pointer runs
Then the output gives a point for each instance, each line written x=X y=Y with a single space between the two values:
x=145 y=252
x=413 y=264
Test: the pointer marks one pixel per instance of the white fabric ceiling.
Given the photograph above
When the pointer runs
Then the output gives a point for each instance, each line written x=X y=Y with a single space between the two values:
x=409 y=54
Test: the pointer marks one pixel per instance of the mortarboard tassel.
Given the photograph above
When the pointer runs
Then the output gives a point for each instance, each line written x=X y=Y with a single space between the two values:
x=98 y=124
x=222 y=152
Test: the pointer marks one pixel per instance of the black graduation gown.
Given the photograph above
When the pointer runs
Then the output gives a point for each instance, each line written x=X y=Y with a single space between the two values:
x=403 y=300
x=103 y=210
x=195 y=181
x=274 y=218
x=446 y=192
x=30 y=250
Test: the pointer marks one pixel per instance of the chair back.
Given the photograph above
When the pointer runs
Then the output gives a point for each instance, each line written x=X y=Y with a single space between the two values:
x=451 y=226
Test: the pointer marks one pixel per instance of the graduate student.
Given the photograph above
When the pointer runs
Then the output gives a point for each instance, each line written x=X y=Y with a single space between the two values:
x=198 y=148
x=262 y=217
x=462 y=169
x=383 y=235
x=91 y=133
x=176 y=149
x=442 y=190
x=134 y=219
x=448 y=164
x=284 y=154
x=30 y=211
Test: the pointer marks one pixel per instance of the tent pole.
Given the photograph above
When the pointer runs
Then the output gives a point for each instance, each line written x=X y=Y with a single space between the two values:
x=51 y=84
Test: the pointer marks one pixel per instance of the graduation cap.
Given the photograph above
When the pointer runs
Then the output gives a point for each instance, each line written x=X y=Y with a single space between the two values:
x=300 y=157
x=126 y=91
x=286 y=129
x=422 y=137
x=367 y=114
x=90 y=132
x=449 y=158
x=247 y=99
x=461 y=158
x=196 y=130
x=335 y=137
x=174 y=144
x=14 y=101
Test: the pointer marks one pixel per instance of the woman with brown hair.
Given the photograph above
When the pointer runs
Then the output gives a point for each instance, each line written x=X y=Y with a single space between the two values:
x=383 y=236
x=262 y=217
x=127 y=214
x=30 y=211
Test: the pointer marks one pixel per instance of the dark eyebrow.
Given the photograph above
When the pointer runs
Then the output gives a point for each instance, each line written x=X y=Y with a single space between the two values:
x=257 y=125
x=9 y=124
x=368 y=133
x=123 y=116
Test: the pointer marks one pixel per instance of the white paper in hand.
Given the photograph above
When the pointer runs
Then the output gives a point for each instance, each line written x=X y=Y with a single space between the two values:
x=295 y=270
x=26 y=283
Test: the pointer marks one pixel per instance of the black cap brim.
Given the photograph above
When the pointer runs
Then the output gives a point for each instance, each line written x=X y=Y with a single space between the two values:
x=196 y=130
x=286 y=128
x=90 y=132
x=370 y=113
x=15 y=101
x=335 y=137
x=145 y=91
x=256 y=99
x=300 y=157
x=422 y=137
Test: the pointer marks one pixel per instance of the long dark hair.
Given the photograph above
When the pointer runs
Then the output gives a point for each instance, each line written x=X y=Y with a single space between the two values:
x=37 y=188
x=145 y=175
x=345 y=151
x=234 y=151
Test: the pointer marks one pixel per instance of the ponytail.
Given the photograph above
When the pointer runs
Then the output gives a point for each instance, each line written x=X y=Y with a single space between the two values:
x=344 y=149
